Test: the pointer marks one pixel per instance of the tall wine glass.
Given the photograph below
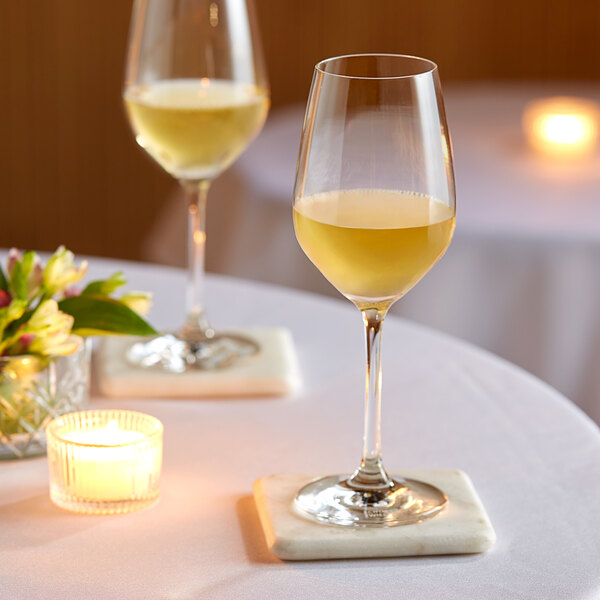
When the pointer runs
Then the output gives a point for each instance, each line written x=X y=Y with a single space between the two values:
x=196 y=93
x=374 y=209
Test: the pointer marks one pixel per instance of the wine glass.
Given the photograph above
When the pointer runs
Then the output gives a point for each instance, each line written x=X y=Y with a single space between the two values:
x=196 y=94
x=374 y=209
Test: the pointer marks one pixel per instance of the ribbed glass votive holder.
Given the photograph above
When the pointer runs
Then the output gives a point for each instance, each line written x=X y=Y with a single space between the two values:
x=104 y=462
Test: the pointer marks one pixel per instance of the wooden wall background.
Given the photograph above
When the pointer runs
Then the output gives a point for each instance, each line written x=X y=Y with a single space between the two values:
x=70 y=171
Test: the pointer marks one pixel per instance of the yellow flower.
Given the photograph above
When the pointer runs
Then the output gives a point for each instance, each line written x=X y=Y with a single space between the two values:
x=51 y=347
x=51 y=329
x=140 y=302
x=60 y=271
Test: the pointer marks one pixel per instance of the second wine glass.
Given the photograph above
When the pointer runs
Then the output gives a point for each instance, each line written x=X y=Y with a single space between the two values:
x=196 y=94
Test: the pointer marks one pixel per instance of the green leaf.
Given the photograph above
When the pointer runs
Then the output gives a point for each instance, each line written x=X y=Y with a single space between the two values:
x=102 y=315
x=18 y=281
x=20 y=274
x=13 y=312
x=10 y=318
x=3 y=281
x=105 y=287
x=28 y=261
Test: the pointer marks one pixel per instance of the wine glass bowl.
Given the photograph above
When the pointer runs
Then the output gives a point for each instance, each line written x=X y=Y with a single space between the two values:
x=195 y=128
x=373 y=245
x=374 y=209
x=196 y=94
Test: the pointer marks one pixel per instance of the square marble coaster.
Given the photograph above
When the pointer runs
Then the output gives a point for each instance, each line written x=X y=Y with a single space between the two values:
x=272 y=372
x=463 y=526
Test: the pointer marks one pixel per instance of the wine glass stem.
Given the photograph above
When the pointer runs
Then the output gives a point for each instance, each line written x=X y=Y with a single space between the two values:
x=196 y=325
x=371 y=475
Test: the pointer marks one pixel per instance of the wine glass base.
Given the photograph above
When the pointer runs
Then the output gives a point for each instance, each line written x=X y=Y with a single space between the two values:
x=331 y=500
x=177 y=355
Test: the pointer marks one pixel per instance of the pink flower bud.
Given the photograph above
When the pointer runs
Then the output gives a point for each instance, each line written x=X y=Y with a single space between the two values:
x=5 y=299
x=25 y=340
x=71 y=291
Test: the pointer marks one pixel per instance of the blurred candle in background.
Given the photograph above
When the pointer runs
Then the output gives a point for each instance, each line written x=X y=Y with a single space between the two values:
x=562 y=127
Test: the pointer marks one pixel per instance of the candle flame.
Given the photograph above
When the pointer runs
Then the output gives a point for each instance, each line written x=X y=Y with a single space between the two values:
x=111 y=433
x=112 y=427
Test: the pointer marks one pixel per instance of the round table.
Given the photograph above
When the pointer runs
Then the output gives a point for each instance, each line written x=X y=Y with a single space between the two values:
x=532 y=455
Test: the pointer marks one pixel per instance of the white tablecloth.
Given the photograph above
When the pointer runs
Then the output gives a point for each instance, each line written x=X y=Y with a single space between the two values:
x=533 y=456
x=522 y=276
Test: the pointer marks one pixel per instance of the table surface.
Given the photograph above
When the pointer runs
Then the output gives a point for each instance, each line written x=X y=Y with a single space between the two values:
x=533 y=456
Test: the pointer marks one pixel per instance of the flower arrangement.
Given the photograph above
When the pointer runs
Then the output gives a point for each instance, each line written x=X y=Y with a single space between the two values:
x=42 y=311
x=44 y=363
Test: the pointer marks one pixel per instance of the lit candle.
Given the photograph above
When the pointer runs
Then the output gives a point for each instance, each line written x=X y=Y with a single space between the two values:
x=562 y=127
x=104 y=462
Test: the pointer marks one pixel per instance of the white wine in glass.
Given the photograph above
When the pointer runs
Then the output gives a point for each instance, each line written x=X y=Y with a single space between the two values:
x=373 y=244
x=374 y=209
x=196 y=94
x=195 y=128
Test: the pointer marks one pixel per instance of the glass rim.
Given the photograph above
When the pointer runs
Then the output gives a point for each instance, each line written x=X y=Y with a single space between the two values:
x=432 y=66
x=55 y=424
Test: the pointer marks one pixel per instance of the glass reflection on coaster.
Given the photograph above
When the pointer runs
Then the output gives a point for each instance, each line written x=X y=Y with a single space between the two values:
x=463 y=527
x=177 y=355
x=333 y=500
x=272 y=371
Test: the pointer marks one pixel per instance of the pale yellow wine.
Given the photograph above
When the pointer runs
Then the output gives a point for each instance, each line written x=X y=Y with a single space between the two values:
x=373 y=245
x=195 y=128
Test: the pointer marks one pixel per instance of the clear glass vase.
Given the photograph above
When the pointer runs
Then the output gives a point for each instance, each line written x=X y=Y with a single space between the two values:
x=33 y=391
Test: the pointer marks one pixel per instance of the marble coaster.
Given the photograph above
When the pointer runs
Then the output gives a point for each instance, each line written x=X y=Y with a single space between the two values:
x=463 y=527
x=272 y=372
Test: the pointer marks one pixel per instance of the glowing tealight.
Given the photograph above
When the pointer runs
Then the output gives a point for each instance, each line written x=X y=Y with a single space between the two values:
x=104 y=462
x=112 y=427
x=563 y=127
